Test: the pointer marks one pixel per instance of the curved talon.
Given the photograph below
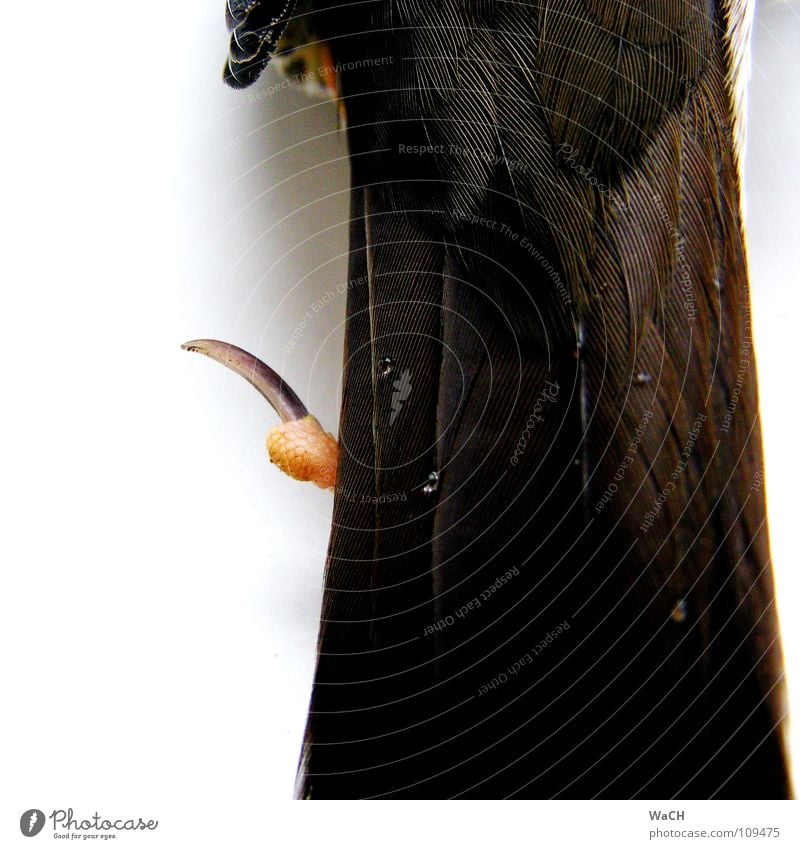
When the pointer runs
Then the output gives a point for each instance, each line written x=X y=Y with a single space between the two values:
x=299 y=446
x=260 y=376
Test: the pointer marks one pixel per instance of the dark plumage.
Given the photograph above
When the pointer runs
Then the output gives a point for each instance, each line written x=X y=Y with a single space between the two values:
x=256 y=28
x=548 y=572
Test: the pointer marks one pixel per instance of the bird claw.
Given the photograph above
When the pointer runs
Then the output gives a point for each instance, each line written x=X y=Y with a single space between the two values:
x=298 y=446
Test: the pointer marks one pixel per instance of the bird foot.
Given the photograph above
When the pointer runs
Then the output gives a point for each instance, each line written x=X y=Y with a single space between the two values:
x=304 y=451
x=298 y=446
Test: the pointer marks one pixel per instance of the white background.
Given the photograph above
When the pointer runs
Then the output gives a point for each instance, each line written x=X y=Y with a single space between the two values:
x=161 y=581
